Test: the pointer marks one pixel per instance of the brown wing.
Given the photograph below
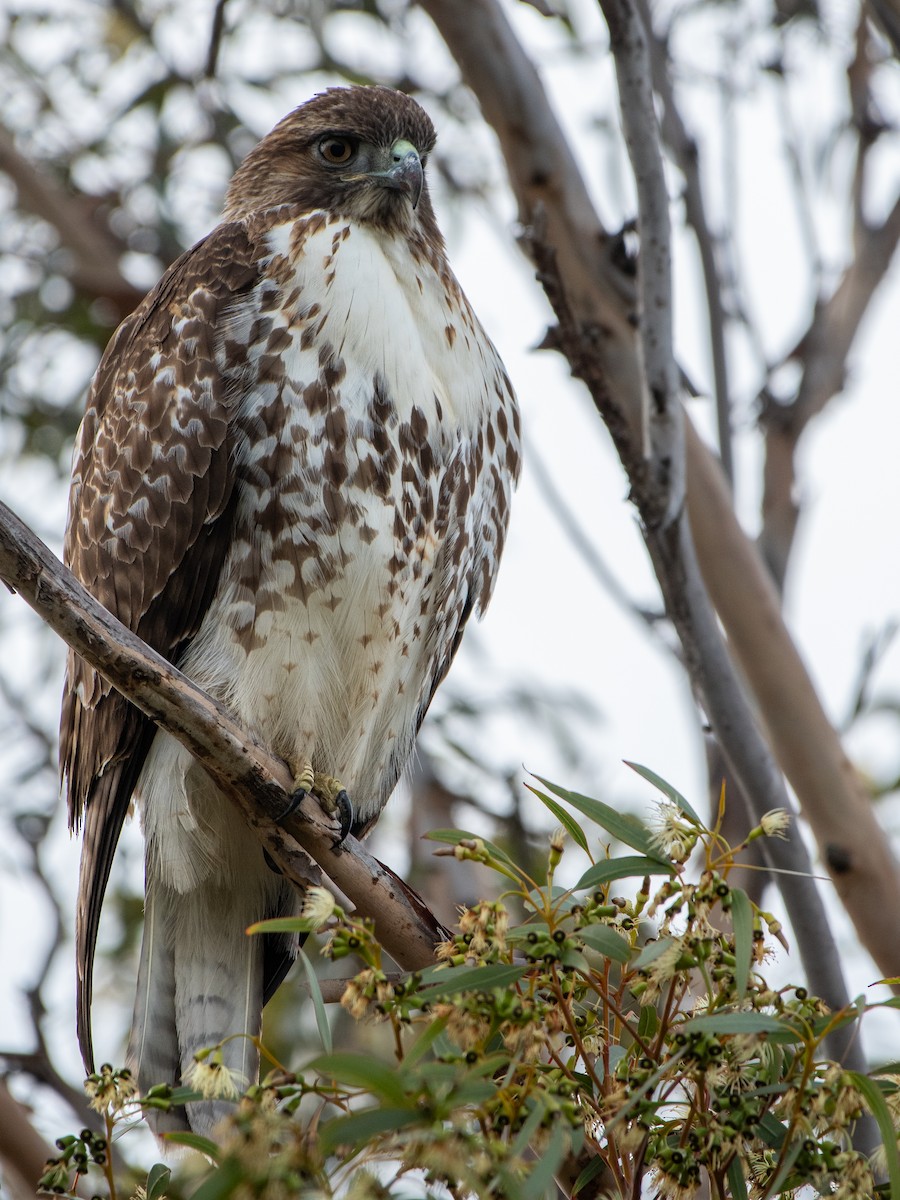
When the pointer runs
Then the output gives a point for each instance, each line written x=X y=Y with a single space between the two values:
x=150 y=516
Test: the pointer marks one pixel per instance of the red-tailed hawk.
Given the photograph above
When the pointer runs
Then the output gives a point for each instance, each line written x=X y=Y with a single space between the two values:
x=293 y=480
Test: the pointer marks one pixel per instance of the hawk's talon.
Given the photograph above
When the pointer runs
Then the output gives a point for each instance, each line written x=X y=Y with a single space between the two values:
x=296 y=798
x=304 y=781
x=344 y=806
x=333 y=797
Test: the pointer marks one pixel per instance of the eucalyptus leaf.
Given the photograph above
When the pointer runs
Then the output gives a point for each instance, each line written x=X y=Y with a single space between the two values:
x=361 y=1070
x=223 y=1181
x=744 y=1022
x=667 y=790
x=453 y=981
x=742 y=921
x=318 y=1003
x=158 y=1181
x=629 y=866
x=624 y=826
x=360 y=1128
x=606 y=941
x=565 y=819
x=874 y=1098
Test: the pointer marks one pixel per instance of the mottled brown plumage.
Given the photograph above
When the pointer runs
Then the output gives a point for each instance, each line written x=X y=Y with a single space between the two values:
x=293 y=480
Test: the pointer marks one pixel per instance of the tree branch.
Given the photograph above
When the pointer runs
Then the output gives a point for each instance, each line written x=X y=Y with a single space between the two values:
x=23 y=1151
x=95 y=254
x=825 y=348
x=683 y=149
x=259 y=783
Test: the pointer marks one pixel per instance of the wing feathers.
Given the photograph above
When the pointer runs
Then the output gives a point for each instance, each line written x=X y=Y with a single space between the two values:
x=150 y=517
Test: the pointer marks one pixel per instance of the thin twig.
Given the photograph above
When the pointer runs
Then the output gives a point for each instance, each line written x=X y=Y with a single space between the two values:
x=215 y=39
x=578 y=536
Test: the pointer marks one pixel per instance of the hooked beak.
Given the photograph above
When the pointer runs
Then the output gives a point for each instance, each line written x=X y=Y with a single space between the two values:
x=405 y=174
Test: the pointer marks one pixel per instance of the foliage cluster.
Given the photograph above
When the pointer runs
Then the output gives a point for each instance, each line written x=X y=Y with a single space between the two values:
x=621 y=1042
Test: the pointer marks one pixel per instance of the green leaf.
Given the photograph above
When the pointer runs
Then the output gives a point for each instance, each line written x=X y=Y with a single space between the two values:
x=736 y=1181
x=667 y=790
x=424 y=1041
x=627 y=867
x=474 y=1092
x=529 y=1128
x=772 y=1131
x=362 y=1127
x=891 y=1068
x=284 y=925
x=594 y=1168
x=778 y=1183
x=318 y=1003
x=182 y=1095
x=606 y=942
x=565 y=819
x=453 y=981
x=361 y=1070
x=742 y=920
x=648 y=1023
x=223 y=1181
x=158 y=1181
x=874 y=1098
x=540 y=1180
x=651 y=952
x=744 y=1022
x=452 y=837
x=624 y=826
x=195 y=1142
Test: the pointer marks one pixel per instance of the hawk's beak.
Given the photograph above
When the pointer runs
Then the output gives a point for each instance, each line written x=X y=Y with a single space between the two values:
x=405 y=174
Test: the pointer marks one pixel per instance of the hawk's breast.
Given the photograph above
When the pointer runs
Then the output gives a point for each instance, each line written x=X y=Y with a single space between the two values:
x=364 y=398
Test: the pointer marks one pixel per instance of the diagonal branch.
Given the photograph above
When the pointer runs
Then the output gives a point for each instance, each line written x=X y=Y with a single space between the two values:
x=258 y=782
x=95 y=254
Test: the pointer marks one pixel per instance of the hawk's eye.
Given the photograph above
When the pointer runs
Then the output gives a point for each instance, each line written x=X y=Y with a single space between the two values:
x=337 y=150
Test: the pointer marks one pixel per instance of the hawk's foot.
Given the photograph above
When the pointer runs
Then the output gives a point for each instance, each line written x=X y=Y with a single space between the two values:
x=332 y=795
x=304 y=781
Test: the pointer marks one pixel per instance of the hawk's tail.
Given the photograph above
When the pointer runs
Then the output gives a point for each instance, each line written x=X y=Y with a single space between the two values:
x=201 y=985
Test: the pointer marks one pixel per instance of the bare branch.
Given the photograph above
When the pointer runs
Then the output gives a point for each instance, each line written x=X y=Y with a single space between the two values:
x=887 y=16
x=23 y=1151
x=663 y=410
x=95 y=253
x=215 y=39
x=683 y=149
x=824 y=349
x=259 y=783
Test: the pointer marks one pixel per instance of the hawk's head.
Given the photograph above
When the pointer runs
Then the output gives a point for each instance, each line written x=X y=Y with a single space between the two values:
x=358 y=151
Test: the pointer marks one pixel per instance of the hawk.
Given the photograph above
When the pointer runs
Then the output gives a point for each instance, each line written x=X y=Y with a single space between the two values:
x=293 y=480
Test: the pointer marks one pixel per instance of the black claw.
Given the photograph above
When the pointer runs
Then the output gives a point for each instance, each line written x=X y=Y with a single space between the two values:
x=344 y=806
x=271 y=863
x=296 y=799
